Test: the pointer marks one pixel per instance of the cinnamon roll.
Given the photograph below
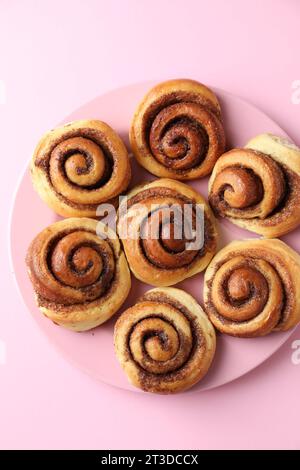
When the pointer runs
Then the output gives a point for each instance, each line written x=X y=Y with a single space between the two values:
x=258 y=187
x=165 y=342
x=79 y=166
x=250 y=288
x=79 y=273
x=177 y=130
x=168 y=232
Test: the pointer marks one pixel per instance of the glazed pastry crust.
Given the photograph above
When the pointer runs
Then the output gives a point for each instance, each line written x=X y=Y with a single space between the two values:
x=251 y=288
x=80 y=279
x=258 y=187
x=152 y=261
x=176 y=131
x=78 y=166
x=165 y=342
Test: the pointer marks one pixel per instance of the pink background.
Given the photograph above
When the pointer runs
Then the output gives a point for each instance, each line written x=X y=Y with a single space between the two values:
x=56 y=55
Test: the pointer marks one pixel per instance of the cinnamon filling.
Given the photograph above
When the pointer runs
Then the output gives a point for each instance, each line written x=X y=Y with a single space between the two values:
x=163 y=240
x=175 y=132
x=163 y=351
x=82 y=160
x=77 y=267
x=240 y=295
x=178 y=141
x=259 y=188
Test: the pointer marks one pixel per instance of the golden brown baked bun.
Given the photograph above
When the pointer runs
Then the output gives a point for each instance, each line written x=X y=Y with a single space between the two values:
x=80 y=277
x=79 y=166
x=177 y=130
x=258 y=187
x=157 y=243
x=251 y=288
x=165 y=342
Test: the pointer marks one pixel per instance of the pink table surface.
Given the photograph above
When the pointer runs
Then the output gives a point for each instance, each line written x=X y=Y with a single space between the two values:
x=54 y=56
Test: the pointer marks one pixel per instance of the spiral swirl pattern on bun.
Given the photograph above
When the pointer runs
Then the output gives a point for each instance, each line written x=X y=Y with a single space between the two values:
x=79 y=273
x=177 y=130
x=165 y=342
x=79 y=166
x=170 y=232
x=258 y=187
x=250 y=288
